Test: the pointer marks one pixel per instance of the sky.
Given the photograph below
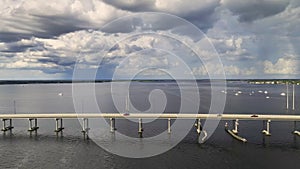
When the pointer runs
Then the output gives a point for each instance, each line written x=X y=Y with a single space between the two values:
x=116 y=39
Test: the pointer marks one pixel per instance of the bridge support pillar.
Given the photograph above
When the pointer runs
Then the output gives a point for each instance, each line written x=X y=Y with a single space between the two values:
x=58 y=128
x=112 y=125
x=35 y=127
x=169 y=125
x=198 y=126
x=6 y=128
x=236 y=124
x=234 y=132
x=267 y=131
x=140 y=131
x=85 y=128
x=199 y=130
x=295 y=129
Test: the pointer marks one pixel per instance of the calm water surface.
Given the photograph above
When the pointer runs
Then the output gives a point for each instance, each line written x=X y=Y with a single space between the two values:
x=46 y=150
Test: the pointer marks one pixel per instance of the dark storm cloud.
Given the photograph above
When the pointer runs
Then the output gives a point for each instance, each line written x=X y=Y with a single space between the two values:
x=16 y=48
x=57 y=25
x=204 y=17
x=137 y=6
x=25 y=19
x=131 y=23
x=249 y=11
x=48 y=27
x=61 y=65
x=43 y=25
x=12 y=37
x=57 y=60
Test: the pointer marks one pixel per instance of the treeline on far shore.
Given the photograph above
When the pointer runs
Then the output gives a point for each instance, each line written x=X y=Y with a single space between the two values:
x=274 y=81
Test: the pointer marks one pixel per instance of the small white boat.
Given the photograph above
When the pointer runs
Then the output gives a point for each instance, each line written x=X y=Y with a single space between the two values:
x=60 y=94
x=282 y=94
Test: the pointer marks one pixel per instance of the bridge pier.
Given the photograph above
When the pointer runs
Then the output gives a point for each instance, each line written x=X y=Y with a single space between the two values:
x=112 y=125
x=6 y=128
x=236 y=124
x=35 y=127
x=234 y=131
x=58 y=128
x=295 y=129
x=85 y=128
x=169 y=125
x=199 y=130
x=140 y=131
x=267 y=131
x=198 y=126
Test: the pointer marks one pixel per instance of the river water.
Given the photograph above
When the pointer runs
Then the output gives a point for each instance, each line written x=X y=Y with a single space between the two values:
x=45 y=149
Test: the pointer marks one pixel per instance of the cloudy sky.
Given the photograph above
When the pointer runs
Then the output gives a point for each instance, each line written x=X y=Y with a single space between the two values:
x=113 y=38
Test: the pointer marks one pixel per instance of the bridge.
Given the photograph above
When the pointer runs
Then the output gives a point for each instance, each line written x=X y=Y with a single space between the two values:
x=33 y=120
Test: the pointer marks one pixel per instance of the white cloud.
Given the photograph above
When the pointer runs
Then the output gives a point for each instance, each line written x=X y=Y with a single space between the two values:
x=59 y=54
x=140 y=60
x=229 y=70
x=250 y=40
x=232 y=40
x=285 y=65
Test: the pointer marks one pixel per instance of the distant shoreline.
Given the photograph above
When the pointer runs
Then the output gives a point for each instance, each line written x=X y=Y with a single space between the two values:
x=251 y=81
